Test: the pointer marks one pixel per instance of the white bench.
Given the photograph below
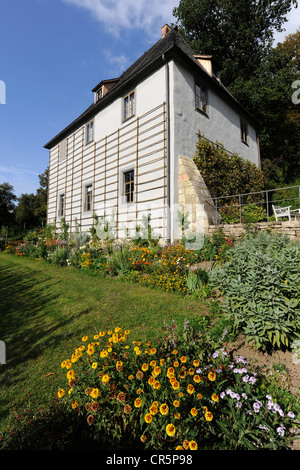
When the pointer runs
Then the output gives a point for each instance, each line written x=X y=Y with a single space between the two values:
x=285 y=212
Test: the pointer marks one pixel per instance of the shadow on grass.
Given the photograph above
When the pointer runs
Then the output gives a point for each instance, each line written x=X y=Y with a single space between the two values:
x=24 y=296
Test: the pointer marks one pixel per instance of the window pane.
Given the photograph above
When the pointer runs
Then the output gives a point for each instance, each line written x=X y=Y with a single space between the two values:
x=129 y=185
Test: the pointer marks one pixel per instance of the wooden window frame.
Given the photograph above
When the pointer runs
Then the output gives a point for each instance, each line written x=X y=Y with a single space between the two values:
x=61 y=207
x=201 y=101
x=88 y=197
x=89 y=129
x=244 y=131
x=128 y=186
x=129 y=110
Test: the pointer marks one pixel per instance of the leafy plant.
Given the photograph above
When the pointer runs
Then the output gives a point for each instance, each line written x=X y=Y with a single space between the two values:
x=261 y=283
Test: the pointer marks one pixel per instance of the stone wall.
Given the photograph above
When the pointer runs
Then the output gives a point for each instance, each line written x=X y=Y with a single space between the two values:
x=291 y=228
x=194 y=196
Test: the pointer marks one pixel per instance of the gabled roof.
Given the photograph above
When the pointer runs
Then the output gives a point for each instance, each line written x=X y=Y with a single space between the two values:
x=168 y=47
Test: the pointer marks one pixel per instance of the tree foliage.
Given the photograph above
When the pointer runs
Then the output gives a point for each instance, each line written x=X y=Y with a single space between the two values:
x=238 y=33
x=7 y=204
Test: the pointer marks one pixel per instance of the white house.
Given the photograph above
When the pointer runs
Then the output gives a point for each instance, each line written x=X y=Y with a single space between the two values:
x=130 y=153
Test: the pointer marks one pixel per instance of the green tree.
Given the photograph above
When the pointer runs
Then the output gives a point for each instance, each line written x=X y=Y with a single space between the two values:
x=40 y=210
x=238 y=33
x=25 y=212
x=7 y=204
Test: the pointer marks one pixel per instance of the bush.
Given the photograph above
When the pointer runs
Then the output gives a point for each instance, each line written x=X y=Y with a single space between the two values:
x=227 y=175
x=262 y=285
x=173 y=395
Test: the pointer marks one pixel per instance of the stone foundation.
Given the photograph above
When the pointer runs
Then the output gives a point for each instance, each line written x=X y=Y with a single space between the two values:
x=290 y=228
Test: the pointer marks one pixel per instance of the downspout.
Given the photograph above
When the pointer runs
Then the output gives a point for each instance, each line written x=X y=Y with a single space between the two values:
x=168 y=150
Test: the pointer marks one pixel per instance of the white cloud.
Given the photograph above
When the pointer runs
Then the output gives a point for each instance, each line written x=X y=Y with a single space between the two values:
x=116 y=15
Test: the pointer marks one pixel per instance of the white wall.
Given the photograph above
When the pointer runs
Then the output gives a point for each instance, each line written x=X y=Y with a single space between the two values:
x=114 y=150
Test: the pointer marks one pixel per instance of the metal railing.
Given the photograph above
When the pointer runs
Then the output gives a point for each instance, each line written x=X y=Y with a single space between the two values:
x=266 y=201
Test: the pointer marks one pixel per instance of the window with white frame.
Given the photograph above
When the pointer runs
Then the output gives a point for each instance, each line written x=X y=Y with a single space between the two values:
x=61 y=205
x=201 y=98
x=244 y=132
x=128 y=188
x=129 y=105
x=89 y=132
x=88 y=198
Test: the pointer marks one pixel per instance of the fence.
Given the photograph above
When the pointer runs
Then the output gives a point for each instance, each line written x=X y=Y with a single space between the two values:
x=266 y=203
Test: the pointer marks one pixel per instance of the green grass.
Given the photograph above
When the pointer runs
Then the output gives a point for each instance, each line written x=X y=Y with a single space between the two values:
x=45 y=311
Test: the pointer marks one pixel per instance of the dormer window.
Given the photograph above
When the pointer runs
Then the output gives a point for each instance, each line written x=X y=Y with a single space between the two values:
x=99 y=93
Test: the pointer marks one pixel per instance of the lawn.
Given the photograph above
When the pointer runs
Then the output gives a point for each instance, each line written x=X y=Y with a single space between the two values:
x=45 y=311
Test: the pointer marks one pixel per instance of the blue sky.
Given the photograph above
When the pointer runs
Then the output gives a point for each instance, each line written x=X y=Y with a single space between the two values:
x=52 y=53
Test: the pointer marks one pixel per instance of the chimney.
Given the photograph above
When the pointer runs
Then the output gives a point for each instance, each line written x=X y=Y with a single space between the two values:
x=165 y=30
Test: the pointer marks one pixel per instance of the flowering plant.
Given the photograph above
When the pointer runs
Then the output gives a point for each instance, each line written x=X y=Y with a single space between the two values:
x=173 y=398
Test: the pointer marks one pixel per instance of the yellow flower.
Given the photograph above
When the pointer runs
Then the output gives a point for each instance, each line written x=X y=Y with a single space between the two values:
x=85 y=338
x=176 y=385
x=170 y=430
x=138 y=402
x=199 y=396
x=102 y=333
x=197 y=378
x=94 y=393
x=183 y=359
x=143 y=438
x=193 y=445
x=176 y=415
x=212 y=376
x=215 y=397
x=194 y=412
x=104 y=353
x=208 y=416
x=156 y=385
x=170 y=372
x=179 y=448
x=75 y=404
x=176 y=403
x=105 y=378
x=157 y=370
x=63 y=364
x=190 y=389
x=153 y=409
x=196 y=363
x=94 y=365
x=145 y=367
x=176 y=364
x=131 y=377
x=151 y=380
x=148 y=418
x=61 y=393
x=153 y=363
x=164 y=409
x=139 y=391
